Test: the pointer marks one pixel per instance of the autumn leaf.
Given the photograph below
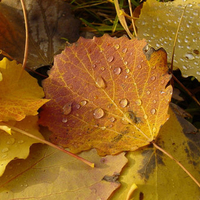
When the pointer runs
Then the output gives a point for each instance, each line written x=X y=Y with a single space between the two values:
x=156 y=175
x=158 y=23
x=49 y=21
x=107 y=93
x=49 y=173
x=20 y=94
x=17 y=145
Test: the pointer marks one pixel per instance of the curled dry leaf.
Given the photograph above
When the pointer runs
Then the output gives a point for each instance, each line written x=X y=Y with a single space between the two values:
x=107 y=93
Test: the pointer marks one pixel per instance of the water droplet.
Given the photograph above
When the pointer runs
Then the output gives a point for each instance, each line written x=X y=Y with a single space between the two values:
x=153 y=78
x=64 y=120
x=112 y=119
x=11 y=141
x=94 y=65
x=123 y=103
x=78 y=106
x=139 y=66
x=103 y=128
x=162 y=92
x=127 y=71
x=110 y=59
x=124 y=50
x=98 y=113
x=125 y=62
x=102 y=68
x=67 y=108
x=117 y=46
x=20 y=141
x=154 y=101
x=198 y=73
x=145 y=117
x=4 y=155
x=153 y=111
x=154 y=67
x=100 y=82
x=117 y=70
x=162 y=82
x=189 y=56
x=154 y=130
x=148 y=92
x=124 y=121
x=4 y=150
x=83 y=103
x=138 y=102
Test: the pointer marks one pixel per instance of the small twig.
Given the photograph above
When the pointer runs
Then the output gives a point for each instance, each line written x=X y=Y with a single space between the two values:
x=132 y=20
x=27 y=36
x=175 y=39
x=52 y=145
x=170 y=156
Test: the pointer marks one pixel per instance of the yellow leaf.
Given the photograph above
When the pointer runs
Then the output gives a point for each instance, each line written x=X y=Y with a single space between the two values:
x=20 y=94
x=50 y=174
x=6 y=129
x=17 y=145
x=159 y=177
x=158 y=23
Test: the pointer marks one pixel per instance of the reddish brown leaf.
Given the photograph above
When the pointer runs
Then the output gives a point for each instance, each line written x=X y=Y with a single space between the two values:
x=107 y=93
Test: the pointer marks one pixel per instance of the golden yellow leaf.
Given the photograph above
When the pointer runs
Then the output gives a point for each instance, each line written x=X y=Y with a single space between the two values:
x=20 y=94
x=17 y=145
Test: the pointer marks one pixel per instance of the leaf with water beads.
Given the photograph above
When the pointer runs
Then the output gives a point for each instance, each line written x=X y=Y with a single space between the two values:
x=158 y=23
x=118 y=96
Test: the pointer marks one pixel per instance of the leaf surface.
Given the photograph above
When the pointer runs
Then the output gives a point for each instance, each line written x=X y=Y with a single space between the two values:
x=48 y=173
x=20 y=94
x=156 y=175
x=158 y=23
x=107 y=93
x=17 y=145
x=48 y=21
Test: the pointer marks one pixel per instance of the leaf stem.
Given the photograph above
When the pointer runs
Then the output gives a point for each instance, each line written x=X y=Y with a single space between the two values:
x=170 y=156
x=53 y=145
x=27 y=35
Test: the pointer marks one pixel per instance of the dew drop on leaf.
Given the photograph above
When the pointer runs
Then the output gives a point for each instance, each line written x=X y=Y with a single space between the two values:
x=11 y=141
x=67 y=108
x=153 y=111
x=127 y=71
x=4 y=150
x=148 y=92
x=154 y=101
x=110 y=59
x=117 y=70
x=78 y=106
x=123 y=103
x=100 y=82
x=153 y=78
x=117 y=46
x=20 y=142
x=98 y=113
x=139 y=66
x=112 y=119
x=83 y=103
x=189 y=56
x=138 y=102
x=64 y=120
x=145 y=117
x=124 y=50
x=4 y=155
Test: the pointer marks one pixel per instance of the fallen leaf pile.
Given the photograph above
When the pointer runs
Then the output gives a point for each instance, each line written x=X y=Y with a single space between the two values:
x=104 y=96
x=20 y=98
x=109 y=94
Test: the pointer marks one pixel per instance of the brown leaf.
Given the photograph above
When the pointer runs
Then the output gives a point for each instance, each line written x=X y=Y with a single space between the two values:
x=48 y=20
x=108 y=94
